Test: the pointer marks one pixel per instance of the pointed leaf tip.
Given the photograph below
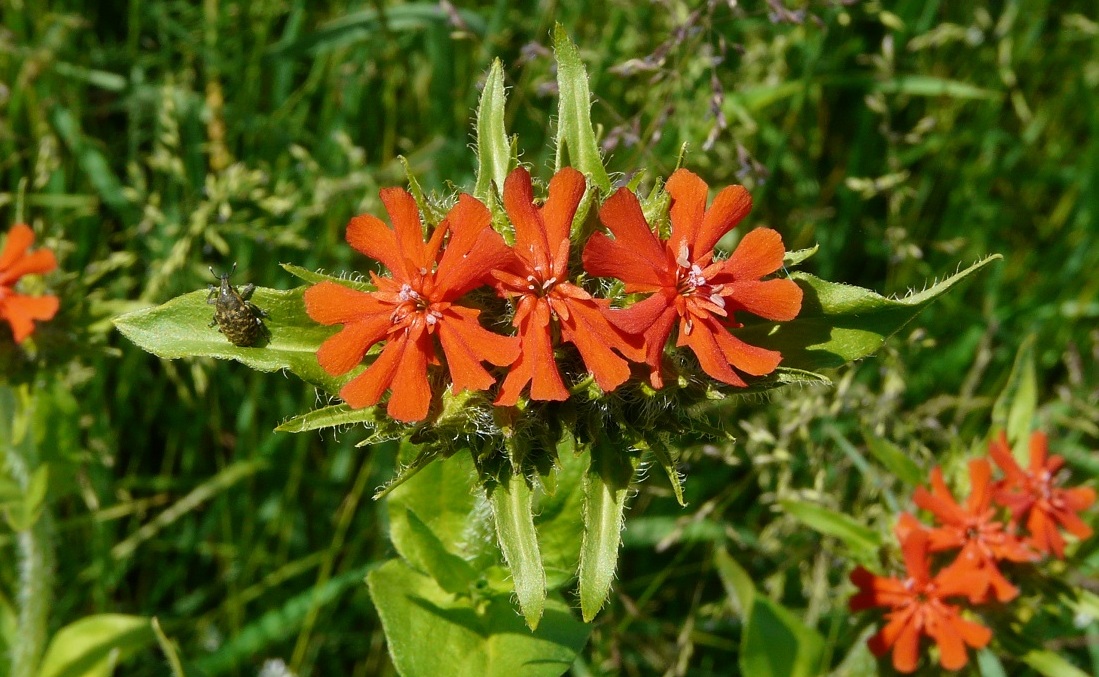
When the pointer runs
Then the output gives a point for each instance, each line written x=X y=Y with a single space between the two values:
x=574 y=126
x=493 y=147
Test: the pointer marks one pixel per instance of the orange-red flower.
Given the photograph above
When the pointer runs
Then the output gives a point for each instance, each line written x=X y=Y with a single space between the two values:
x=916 y=607
x=414 y=306
x=537 y=280
x=982 y=539
x=685 y=281
x=1033 y=495
x=21 y=311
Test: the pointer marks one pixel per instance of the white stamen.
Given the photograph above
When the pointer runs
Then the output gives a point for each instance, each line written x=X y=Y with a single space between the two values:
x=407 y=293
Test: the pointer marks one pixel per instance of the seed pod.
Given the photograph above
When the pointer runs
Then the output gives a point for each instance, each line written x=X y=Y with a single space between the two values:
x=234 y=315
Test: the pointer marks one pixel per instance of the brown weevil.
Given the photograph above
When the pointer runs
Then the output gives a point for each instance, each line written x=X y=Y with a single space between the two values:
x=234 y=315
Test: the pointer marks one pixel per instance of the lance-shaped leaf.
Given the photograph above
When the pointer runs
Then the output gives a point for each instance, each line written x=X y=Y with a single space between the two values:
x=93 y=644
x=1014 y=409
x=314 y=277
x=181 y=328
x=605 y=486
x=512 y=508
x=493 y=149
x=574 y=128
x=839 y=323
x=855 y=535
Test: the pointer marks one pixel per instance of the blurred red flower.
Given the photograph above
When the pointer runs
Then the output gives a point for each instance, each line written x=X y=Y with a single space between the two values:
x=973 y=528
x=686 y=282
x=21 y=311
x=917 y=607
x=414 y=306
x=537 y=280
x=1033 y=495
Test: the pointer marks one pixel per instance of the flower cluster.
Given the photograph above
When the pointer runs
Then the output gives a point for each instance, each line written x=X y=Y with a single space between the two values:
x=423 y=313
x=980 y=540
x=19 y=310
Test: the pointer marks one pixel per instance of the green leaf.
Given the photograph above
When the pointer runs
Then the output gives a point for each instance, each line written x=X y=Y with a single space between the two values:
x=315 y=277
x=370 y=24
x=776 y=643
x=335 y=415
x=929 y=85
x=664 y=458
x=1051 y=664
x=181 y=328
x=431 y=632
x=605 y=487
x=1014 y=409
x=831 y=523
x=493 y=148
x=424 y=550
x=795 y=257
x=895 y=460
x=93 y=645
x=559 y=519
x=839 y=323
x=736 y=581
x=171 y=651
x=574 y=128
x=439 y=543
x=93 y=162
x=513 y=512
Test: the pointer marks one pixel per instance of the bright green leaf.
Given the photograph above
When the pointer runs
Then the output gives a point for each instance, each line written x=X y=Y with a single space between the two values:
x=605 y=487
x=839 y=323
x=86 y=648
x=513 y=512
x=830 y=523
x=776 y=643
x=574 y=127
x=1050 y=664
x=795 y=257
x=493 y=147
x=427 y=553
x=314 y=277
x=736 y=581
x=558 y=519
x=417 y=616
x=440 y=496
x=1014 y=409
x=181 y=328
x=895 y=460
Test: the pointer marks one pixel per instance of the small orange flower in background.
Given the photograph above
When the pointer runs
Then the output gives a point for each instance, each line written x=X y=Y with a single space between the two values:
x=686 y=283
x=21 y=311
x=917 y=607
x=1033 y=497
x=414 y=307
x=973 y=528
x=537 y=280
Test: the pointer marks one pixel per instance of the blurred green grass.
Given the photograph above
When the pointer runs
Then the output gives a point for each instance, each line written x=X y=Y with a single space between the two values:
x=904 y=137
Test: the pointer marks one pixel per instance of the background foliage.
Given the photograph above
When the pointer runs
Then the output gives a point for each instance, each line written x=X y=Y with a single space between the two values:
x=148 y=140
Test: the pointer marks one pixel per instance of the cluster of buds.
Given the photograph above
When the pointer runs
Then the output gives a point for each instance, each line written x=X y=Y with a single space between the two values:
x=426 y=313
x=1017 y=518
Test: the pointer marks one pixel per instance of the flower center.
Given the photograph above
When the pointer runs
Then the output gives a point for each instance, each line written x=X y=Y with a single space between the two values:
x=412 y=303
x=538 y=285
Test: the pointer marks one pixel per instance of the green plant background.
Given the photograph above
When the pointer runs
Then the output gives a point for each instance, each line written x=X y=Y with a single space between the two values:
x=149 y=140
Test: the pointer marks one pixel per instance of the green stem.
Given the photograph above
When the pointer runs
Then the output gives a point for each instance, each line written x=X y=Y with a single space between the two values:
x=34 y=551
